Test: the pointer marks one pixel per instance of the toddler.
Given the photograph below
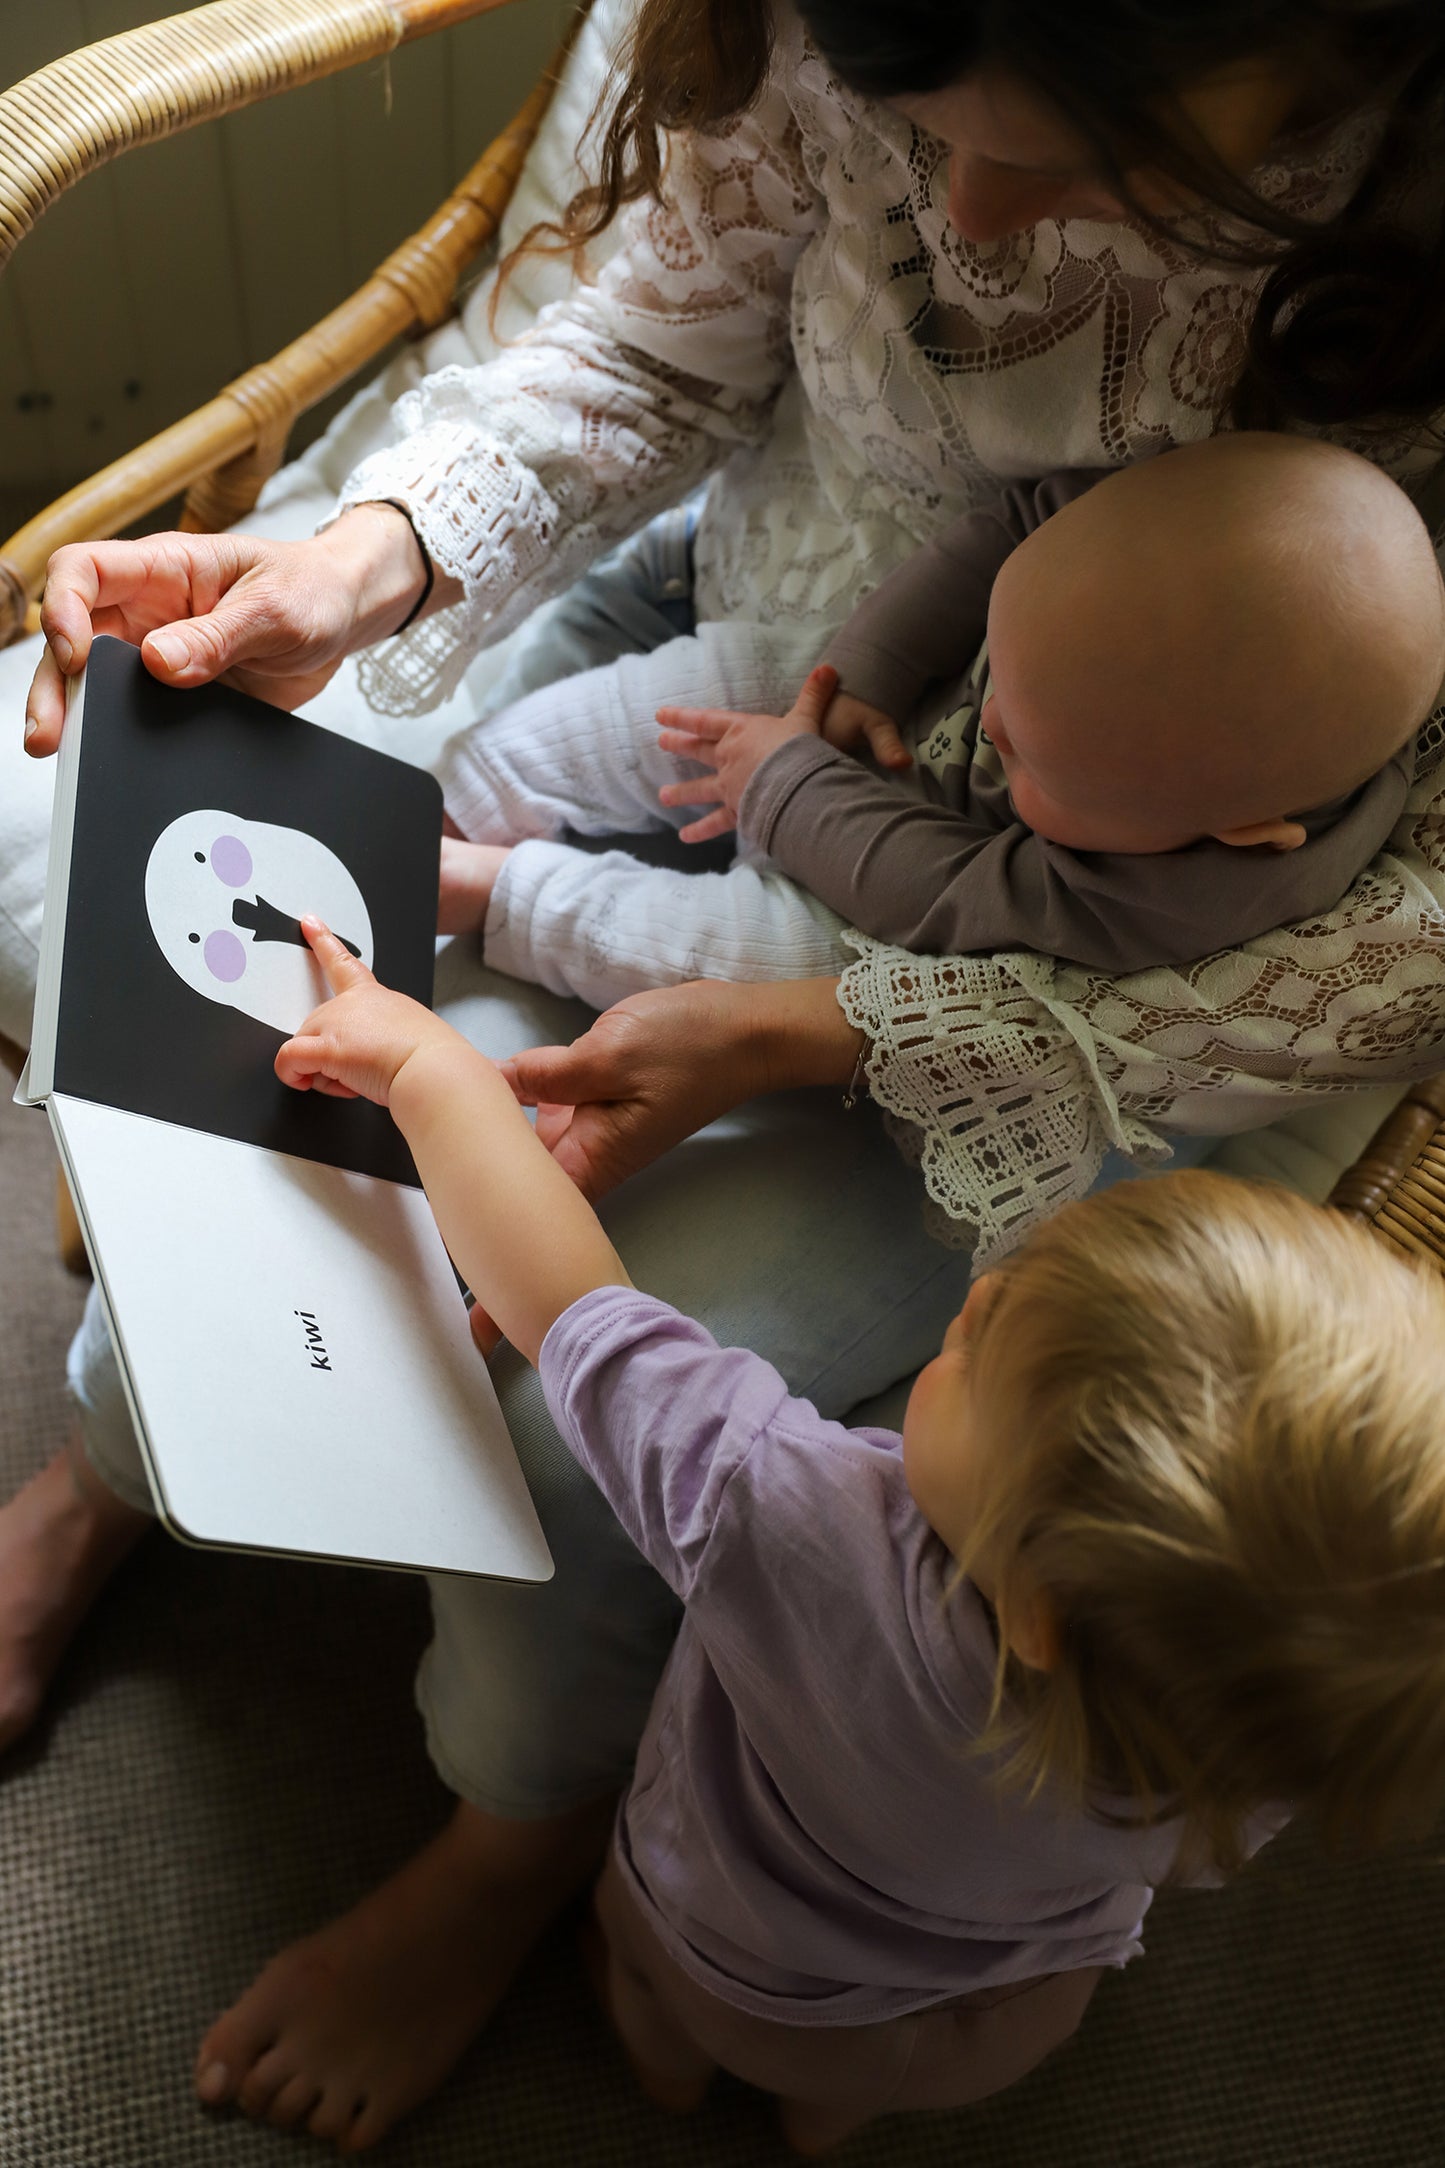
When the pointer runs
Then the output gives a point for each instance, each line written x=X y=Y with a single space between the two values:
x=1192 y=721
x=1159 y=1557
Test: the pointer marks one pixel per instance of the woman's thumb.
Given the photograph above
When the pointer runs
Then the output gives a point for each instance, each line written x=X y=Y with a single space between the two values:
x=548 y=1074
x=194 y=650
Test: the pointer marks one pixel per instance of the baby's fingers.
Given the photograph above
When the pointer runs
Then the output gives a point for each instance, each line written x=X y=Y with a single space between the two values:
x=301 y=1063
x=709 y=723
x=687 y=746
x=812 y=702
x=720 y=823
x=696 y=790
x=886 y=744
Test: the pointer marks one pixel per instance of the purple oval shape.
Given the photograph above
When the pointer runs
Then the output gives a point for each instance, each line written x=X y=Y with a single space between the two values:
x=225 y=956
x=231 y=861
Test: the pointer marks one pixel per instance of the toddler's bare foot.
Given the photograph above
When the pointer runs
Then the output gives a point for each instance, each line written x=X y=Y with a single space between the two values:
x=346 y=2031
x=61 y=1539
x=469 y=874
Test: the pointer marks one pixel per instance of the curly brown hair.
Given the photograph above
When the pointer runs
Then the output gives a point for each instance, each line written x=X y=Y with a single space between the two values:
x=1350 y=324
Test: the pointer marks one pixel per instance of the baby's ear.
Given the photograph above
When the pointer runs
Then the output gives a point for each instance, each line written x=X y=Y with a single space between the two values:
x=1274 y=833
x=1278 y=835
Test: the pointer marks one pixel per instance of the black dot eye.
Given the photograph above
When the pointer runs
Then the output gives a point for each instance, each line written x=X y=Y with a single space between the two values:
x=194 y=937
x=200 y=858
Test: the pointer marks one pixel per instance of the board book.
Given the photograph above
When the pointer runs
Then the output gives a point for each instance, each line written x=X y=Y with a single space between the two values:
x=292 y=1338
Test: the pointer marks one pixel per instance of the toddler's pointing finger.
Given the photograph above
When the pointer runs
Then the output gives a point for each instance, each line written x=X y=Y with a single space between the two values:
x=341 y=968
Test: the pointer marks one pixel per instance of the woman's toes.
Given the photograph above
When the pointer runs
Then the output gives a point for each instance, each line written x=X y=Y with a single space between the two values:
x=334 y=2113
x=229 y=2053
x=215 y=2083
x=21 y=1694
x=371 y=2123
x=294 y=2103
x=263 y=2081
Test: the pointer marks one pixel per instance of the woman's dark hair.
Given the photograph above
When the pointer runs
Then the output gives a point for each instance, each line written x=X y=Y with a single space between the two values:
x=1350 y=324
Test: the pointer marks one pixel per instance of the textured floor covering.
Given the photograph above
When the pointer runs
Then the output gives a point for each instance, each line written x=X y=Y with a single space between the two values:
x=232 y=1755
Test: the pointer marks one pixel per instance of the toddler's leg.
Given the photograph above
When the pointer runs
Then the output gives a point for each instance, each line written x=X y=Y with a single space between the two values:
x=667 y=2062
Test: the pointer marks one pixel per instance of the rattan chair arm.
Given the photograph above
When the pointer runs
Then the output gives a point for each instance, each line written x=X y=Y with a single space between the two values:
x=242 y=432
x=1397 y=1185
x=86 y=108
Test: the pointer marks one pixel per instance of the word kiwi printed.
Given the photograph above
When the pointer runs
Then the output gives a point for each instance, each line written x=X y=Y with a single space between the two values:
x=320 y=1360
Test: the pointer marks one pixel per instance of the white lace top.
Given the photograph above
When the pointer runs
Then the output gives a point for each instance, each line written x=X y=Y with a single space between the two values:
x=802 y=322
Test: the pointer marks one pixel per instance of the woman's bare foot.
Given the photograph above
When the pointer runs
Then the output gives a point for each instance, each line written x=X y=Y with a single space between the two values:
x=468 y=876
x=346 y=2031
x=61 y=1539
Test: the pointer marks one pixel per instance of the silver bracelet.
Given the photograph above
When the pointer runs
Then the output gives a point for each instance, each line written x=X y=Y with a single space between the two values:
x=858 y=1081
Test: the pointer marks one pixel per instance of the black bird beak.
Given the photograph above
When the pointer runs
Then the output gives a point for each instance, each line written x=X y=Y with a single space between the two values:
x=264 y=922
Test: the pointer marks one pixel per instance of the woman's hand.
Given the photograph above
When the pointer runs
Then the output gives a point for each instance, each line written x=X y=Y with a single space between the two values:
x=273 y=618
x=660 y=1065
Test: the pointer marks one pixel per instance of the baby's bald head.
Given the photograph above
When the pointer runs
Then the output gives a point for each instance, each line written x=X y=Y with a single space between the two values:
x=1226 y=635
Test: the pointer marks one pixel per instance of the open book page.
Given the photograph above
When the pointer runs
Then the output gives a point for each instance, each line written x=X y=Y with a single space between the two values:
x=299 y=1368
x=203 y=824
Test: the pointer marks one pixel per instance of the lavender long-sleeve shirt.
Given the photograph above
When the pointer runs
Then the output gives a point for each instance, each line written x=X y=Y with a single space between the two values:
x=806 y=1829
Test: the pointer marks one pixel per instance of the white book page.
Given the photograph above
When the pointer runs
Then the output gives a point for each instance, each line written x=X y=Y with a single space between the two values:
x=296 y=1353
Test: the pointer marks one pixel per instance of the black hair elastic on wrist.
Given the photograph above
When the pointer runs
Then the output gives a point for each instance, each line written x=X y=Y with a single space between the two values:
x=431 y=571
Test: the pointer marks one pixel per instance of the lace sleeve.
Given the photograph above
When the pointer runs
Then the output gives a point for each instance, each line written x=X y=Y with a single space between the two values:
x=1008 y=1078
x=619 y=400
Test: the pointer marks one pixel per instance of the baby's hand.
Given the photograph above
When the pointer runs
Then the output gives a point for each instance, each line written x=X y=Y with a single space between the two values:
x=734 y=746
x=851 y=722
x=353 y=1045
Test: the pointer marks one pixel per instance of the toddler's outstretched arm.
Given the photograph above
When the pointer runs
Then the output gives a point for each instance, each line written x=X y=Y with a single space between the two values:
x=523 y=1237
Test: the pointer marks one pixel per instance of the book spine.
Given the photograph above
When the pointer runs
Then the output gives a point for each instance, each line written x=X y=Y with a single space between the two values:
x=40 y=1071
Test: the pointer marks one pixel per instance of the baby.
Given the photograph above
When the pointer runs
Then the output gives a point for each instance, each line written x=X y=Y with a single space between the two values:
x=1159 y=1558
x=1192 y=721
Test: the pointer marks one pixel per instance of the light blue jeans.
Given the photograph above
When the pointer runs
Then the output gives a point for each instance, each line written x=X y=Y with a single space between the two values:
x=791 y=1226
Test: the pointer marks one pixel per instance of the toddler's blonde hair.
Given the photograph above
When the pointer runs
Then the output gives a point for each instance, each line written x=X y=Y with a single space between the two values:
x=1223 y=1464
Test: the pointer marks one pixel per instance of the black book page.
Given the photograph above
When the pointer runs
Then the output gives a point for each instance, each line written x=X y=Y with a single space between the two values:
x=177 y=920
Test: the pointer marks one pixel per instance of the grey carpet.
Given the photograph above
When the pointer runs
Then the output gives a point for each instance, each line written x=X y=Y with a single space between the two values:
x=231 y=1756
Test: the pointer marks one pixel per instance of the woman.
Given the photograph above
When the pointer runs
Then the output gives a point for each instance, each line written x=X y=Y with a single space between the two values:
x=881 y=282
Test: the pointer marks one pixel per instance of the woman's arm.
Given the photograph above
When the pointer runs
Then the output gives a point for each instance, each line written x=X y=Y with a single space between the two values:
x=622 y=397
x=661 y=1065
x=517 y=473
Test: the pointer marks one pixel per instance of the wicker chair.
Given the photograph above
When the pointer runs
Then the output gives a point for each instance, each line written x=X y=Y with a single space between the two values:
x=91 y=106
x=73 y=116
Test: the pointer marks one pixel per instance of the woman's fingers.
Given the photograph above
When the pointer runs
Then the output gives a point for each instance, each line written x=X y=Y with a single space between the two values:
x=197 y=650
x=81 y=579
x=45 y=708
x=559 y=1076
